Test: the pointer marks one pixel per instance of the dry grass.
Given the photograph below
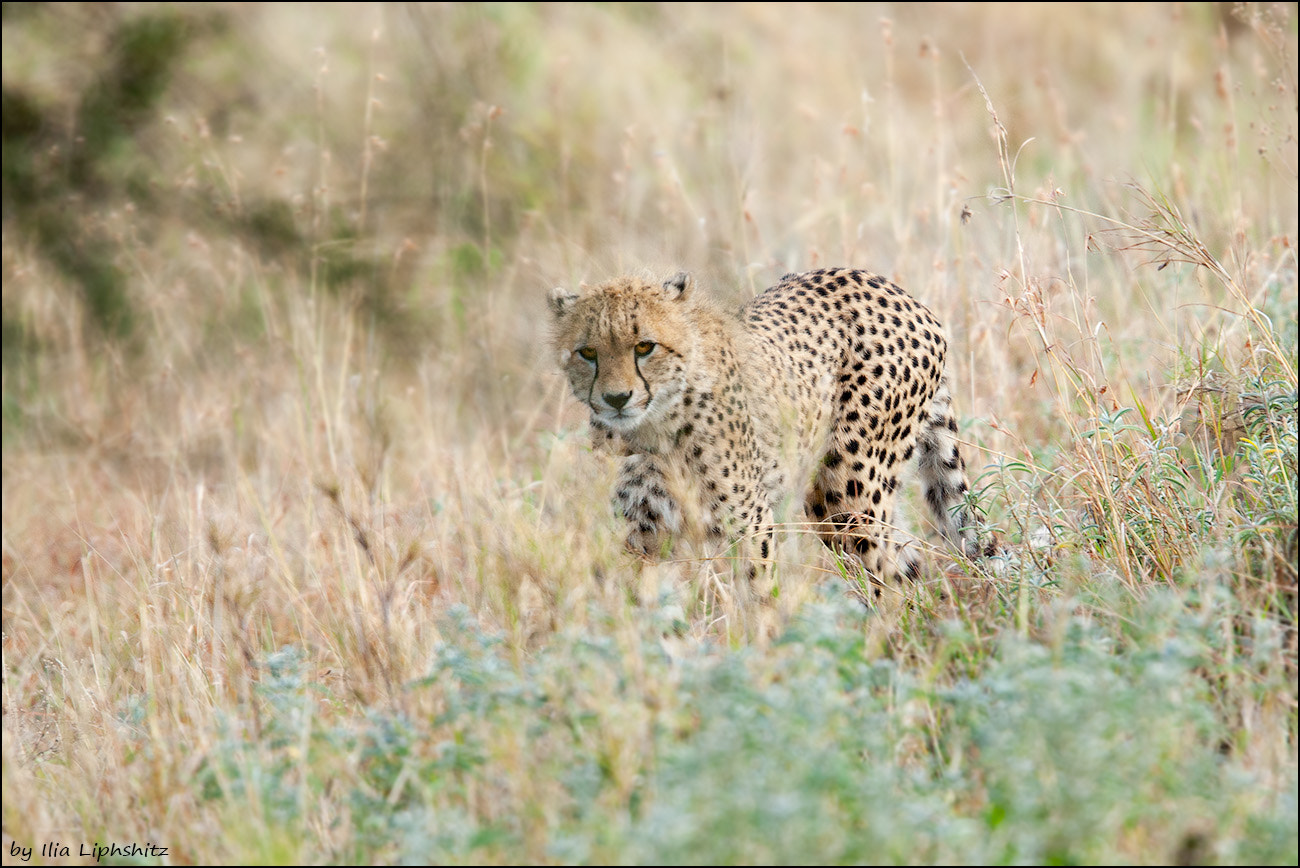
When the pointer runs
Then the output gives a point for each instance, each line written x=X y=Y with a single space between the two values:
x=306 y=557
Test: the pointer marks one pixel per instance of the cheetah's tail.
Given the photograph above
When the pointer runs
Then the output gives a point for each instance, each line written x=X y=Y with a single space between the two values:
x=943 y=473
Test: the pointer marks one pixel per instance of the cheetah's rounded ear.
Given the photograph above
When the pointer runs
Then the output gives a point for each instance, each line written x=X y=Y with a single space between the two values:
x=678 y=286
x=561 y=300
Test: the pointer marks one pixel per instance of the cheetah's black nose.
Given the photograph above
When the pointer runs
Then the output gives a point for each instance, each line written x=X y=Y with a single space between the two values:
x=617 y=402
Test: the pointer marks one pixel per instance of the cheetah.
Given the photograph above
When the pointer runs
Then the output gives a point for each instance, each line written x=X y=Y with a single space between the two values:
x=818 y=393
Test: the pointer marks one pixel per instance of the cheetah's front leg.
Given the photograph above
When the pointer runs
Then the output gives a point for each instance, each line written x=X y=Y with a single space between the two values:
x=642 y=495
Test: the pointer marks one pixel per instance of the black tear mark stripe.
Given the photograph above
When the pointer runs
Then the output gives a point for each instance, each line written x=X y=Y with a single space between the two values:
x=591 y=390
x=649 y=392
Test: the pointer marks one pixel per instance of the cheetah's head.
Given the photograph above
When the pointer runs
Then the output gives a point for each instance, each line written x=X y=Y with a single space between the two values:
x=626 y=346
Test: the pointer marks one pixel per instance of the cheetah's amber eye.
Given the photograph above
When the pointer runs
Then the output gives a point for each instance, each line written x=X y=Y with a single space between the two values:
x=588 y=353
x=644 y=348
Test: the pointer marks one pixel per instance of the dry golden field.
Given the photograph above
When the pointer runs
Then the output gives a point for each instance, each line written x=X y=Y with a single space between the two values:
x=307 y=557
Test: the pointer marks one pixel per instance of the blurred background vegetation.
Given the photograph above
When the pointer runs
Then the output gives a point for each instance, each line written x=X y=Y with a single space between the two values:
x=305 y=557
